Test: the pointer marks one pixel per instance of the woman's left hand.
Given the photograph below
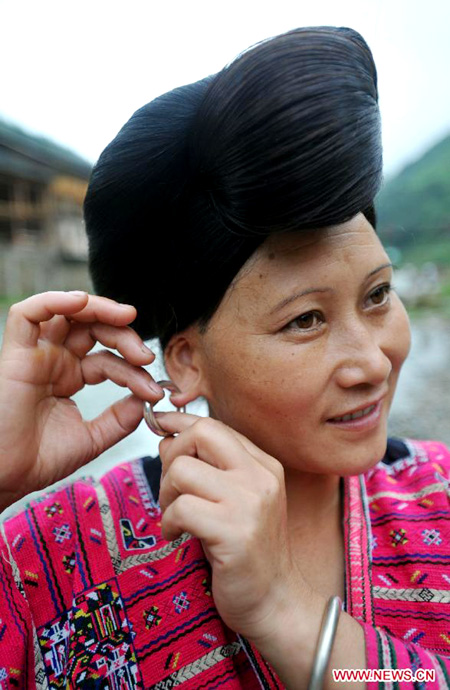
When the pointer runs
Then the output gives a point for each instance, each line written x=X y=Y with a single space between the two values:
x=218 y=486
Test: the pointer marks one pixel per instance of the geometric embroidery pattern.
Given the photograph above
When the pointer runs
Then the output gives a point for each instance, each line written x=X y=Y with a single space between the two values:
x=158 y=626
x=206 y=583
x=410 y=569
x=181 y=602
x=151 y=618
x=132 y=541
x=54 y=509
x=398 y=537
x=69 y=562
x=62 y=533
x=441 y=596
x=206 y=662
x=96 y=624
x=431 y=537
x=122 y=565
x=91 y=645
x=413 y=496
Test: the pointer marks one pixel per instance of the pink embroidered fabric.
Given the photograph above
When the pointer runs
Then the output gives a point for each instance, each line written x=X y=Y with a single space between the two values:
x=402 y=575
x=94 y=597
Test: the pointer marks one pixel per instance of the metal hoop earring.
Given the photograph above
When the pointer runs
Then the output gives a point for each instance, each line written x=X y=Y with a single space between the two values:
x=149 y=416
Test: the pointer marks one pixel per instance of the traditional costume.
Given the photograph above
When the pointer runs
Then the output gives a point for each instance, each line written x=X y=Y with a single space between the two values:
x=94 y=597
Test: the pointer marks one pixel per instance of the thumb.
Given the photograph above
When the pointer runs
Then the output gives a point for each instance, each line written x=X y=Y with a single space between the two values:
x=116 y=422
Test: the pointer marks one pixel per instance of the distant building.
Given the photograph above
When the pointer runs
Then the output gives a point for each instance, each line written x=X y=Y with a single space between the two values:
x=42 y=187
x=43 y=244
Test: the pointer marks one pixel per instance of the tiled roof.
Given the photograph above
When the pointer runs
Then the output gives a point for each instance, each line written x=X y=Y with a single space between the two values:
x=35 y=157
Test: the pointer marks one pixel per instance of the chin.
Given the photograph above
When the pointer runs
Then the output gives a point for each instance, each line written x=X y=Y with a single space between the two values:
x=360 y=457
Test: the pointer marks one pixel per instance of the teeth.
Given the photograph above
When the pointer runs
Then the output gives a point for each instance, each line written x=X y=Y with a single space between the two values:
x=355 y=415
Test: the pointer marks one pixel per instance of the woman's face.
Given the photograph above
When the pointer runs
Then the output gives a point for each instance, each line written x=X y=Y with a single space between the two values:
x=309 y=333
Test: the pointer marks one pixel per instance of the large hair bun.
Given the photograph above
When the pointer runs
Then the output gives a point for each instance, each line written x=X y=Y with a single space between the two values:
x=287 y=137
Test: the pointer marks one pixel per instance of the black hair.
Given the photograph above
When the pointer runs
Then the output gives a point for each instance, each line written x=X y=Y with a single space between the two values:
x=286 y=137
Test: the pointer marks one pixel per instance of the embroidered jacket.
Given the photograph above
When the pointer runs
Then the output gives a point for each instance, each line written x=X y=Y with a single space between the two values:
x=92 y=596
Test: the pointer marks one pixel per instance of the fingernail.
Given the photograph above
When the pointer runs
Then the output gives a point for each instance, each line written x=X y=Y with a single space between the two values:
x=146 y=350
x=77 y=293
x=155 y=388
x=124 y=306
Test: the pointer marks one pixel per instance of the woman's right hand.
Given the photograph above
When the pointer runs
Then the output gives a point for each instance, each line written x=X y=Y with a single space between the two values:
x=43 y=362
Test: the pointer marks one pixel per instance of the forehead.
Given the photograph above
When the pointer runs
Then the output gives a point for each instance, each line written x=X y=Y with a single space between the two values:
x=303 y=255
x=336 y=257
x=288 y=262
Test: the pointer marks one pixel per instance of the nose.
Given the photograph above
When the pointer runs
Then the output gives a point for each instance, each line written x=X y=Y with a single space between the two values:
x=362 y=357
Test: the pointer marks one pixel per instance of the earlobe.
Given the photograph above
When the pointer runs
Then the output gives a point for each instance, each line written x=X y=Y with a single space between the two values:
x=182 y=363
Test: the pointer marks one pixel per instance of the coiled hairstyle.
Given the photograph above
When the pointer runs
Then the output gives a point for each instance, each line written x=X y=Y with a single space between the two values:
x=285 y=138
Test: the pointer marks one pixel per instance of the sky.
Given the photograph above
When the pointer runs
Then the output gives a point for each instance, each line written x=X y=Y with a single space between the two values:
x=76 y=71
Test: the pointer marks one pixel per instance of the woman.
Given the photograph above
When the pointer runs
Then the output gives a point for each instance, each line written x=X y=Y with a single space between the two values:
x=238 y=213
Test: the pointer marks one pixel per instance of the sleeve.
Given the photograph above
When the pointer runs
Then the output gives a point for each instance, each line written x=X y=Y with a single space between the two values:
x=17 y=631
x=416 y=667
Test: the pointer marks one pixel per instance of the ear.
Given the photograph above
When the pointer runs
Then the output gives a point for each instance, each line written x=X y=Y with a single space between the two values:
x=183 y=364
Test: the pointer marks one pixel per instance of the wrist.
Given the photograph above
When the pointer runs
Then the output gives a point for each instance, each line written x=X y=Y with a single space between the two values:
x=292 y=647
x=291 y=643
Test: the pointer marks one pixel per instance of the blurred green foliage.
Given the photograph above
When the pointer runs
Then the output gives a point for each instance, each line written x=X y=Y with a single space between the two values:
x=413 y=208
x=7 y=301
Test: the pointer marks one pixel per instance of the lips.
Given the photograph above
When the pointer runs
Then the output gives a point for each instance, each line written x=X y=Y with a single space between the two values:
x=356 y=413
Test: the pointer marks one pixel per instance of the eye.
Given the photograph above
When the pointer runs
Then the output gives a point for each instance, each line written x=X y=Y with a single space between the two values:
x=380 y=296
x=306 y=322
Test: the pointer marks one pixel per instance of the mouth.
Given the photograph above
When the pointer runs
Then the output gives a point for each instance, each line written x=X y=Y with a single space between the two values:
x=362 y=418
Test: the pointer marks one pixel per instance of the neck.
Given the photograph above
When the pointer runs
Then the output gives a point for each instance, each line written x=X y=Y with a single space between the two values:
x=314 y=503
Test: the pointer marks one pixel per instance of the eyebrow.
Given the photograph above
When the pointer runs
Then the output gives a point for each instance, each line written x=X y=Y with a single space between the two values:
x=309 y=291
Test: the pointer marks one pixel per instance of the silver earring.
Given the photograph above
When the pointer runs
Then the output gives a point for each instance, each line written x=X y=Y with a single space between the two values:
x=149 y=414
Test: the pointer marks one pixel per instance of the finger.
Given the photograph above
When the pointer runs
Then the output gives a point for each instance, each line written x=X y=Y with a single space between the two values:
x=214 y=434
x=176 y=422
x=83 y=337
x=22 y=324
x=206 y=439
x=115 y=423
x=55 y=330
x=105 y=365
x=107 y=311
x=172 y=426
x=199 y=517
x=188 y=475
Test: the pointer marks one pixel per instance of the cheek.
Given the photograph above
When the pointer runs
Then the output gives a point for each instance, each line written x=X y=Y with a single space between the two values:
x=263 y=386
x=286 y=387
x=400 y=335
